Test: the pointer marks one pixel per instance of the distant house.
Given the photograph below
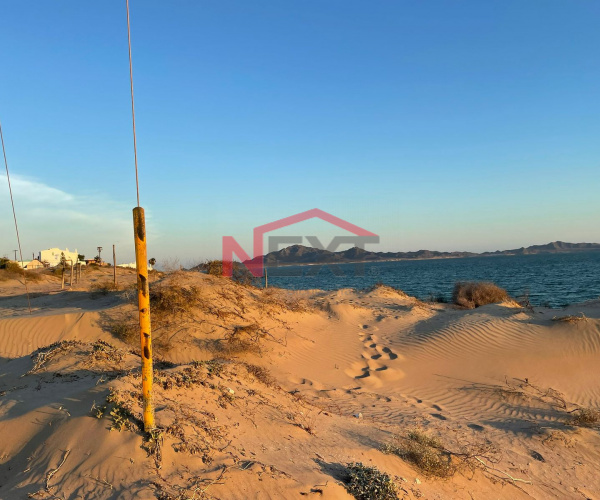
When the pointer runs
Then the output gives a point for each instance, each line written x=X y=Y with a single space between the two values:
x=53 y=256
x=32 y=264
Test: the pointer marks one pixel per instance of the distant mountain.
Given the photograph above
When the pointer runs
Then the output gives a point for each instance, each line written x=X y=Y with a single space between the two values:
x=299 y=254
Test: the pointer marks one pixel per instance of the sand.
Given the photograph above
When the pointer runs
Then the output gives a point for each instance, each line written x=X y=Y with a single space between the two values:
x=345 y=372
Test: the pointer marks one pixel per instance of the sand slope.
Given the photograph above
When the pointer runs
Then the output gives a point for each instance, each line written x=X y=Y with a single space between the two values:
x=464 y=375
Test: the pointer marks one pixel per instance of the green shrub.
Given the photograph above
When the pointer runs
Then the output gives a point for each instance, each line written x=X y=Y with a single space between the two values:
x=369 y=483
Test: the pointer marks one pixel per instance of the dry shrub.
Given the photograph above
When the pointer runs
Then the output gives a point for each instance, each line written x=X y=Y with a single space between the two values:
x=243 y=338
x=125 y=330
x=386 y=289
x=261 y=374
x=33 y=277
x=474 y=294
x=283 y=300
x=425 y=452
x=173 y=299
x=585 y=417
x=369 y=483
x=103 y=287
x=43 y=355
x=239 y=274
x=9 y=269
x=570 y=318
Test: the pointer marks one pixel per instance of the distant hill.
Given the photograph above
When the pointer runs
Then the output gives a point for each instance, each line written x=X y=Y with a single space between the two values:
x=300 y=254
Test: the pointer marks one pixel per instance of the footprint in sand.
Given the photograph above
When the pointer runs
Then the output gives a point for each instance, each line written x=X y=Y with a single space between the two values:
x=390 y=353
x=439 y=416
x=374 y=373
x=436 y=407
x=475 y=427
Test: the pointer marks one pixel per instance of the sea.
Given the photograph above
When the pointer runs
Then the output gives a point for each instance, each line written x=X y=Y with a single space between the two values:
x=550 y=280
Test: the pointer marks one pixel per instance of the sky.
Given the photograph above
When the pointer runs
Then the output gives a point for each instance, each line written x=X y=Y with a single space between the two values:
x=446 y=125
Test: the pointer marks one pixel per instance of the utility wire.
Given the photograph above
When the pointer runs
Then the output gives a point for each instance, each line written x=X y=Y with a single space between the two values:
x=12 y=201
x=137 y=185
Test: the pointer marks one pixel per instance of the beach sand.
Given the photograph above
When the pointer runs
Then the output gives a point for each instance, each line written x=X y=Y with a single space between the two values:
x=310 y=381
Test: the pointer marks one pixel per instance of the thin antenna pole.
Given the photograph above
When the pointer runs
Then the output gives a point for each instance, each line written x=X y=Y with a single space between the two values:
x=137 y=184
x=12 y=201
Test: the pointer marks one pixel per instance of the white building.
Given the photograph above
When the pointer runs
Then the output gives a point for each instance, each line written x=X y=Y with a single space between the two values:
x=53 y=256
x=132 y=265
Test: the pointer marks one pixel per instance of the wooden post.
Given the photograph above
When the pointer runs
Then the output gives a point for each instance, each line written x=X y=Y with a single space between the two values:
x=266 y=278
x=62 y=276
x=141 y=261
x=114 y=267
x=71 y=275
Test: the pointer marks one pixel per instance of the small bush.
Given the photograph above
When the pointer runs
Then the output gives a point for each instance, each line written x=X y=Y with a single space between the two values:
x=586 y=417
x=9 y=269
x=33 y=276
x=261 y=374
x=475 y=294
x=240 y=273
x=369 y=483
x=425 y=452
x=125 y=330
x=104 y=287
x=570 y=319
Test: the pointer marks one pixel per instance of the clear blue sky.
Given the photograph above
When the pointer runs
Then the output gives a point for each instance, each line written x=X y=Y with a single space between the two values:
x=449 y=125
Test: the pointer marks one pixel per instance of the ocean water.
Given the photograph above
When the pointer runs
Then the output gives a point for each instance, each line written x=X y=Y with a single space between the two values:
x=553 y=280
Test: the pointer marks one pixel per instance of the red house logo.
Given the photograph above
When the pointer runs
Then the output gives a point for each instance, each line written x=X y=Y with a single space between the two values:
x=255 y=265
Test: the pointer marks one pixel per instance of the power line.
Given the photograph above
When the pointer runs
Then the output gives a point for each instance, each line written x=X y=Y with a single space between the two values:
x=12 y=202
x=137 y=185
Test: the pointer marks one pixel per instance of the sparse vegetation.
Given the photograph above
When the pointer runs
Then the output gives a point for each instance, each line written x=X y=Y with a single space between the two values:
x=261 y=374
x=585 y=417
x=243 y=338
x=9 y=269
x=125 y=330
x=570 y=318
x=382 y=287
x=475 y=294
x=425 y=452
x=240 y=273
x=369 y=483
x=103 y=287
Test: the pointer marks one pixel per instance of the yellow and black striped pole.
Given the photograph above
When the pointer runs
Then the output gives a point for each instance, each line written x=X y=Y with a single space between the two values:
x=139 y=226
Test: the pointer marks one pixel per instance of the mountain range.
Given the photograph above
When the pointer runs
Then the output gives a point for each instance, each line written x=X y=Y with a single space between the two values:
x=300 y=254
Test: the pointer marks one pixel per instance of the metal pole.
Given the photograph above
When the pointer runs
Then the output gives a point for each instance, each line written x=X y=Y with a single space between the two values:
x=139 y=229
x=114 y=267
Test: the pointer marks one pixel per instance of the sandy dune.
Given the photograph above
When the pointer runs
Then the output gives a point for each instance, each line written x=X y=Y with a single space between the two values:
x=498 y=374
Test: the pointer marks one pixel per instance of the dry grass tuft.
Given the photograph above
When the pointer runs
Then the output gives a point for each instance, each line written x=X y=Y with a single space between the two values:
x=570 y=318
x=386 y=289
x=425 y=452
x=585 y=417
x=103 y=287
x=43 y=355
x=261 y=374
x=475 y=294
